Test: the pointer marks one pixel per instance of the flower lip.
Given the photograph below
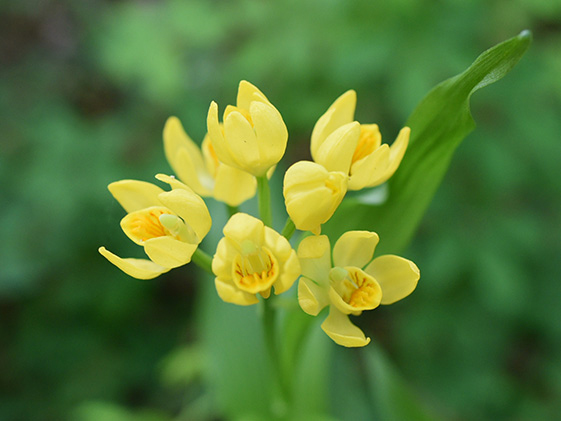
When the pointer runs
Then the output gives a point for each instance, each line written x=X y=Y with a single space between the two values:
x=145 y=224
x=355 y=290
x=255 y=269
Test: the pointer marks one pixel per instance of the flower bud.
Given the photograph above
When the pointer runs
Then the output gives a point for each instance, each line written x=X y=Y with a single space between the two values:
x=312 y=194
x=253 y=136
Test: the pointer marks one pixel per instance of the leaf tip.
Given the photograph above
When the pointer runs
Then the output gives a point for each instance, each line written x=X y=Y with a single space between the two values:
x=525 y=35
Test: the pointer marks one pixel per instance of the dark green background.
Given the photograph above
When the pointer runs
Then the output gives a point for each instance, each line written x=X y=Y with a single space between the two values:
x=85 y=89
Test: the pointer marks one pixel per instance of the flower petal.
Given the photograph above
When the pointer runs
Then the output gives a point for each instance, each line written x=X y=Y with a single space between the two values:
x=191 y=208
x=137 y=268
x=169 y=252
x=341 y=112
x=397 y=276
x=314 y=253
x=290 y=271
x=242 y=143
x=368 y=171
x=184 y=156
x=134 y=195
x=223 y=259
x=312 y=194
x=231 y=294
x=311 y=297
x=233 y=186
x=247 y=93
x=336 y=152
x=173 y=182
x=270 y=131
x=216 y=135
x=355 y=248
x=339 y=328
x=397 y=151
x=241 y=227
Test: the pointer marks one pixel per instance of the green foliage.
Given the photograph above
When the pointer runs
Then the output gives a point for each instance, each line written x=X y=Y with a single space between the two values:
x=439 y=124
x=85 y=88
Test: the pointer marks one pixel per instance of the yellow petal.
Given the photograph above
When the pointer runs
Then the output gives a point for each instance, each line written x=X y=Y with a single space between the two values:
x=137 y=268
x=341 y=112
x=169 y=252
x=233 y=186
x=134 y=195
x=368 y=171
x=339 y=328
x=312 y=194
x=270 y=131
x=216 y=135
x=290 y=271
x=247 y=93
x=314 y=253
x=397 y=276
x=243 y=227
x=242 y=143
x=191 y=208
x=336 y=152
x=173 y=182
x=231 y=294
x=355 y=248
x=223 y=259
x=184 y=156
x=397 y=151
x=308 y=211
x=311 y=297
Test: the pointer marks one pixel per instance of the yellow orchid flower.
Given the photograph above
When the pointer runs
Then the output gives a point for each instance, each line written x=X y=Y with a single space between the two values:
x=250 y=259
x=312 y=194
x=253 y=137
x=168 y=224
x=354 y=283
x=341 y=144
x=201 y=170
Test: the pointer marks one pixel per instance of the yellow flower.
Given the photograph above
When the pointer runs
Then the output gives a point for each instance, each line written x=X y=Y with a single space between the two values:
x=312 y=194
x=341 y=144
x=250 y=259
x=168 y=224
x=253 y=137
x=355 y=282
x=202 y=171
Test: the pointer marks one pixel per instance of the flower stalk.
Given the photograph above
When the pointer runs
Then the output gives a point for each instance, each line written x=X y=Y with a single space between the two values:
x=289 y=229
x=203 y=260
x=264 y=200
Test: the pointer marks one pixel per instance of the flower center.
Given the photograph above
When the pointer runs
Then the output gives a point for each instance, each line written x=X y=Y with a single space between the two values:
x=368 y=141
x=145 y=224
x=356 y=288
x=255 y=269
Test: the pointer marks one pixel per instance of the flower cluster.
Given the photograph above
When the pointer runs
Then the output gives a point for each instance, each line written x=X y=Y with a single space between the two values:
x=236 y=157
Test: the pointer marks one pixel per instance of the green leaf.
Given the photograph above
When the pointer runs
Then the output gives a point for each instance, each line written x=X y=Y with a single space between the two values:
x=438 y=125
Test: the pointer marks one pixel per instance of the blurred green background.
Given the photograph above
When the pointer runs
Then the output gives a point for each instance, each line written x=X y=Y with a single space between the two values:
x=85 y=89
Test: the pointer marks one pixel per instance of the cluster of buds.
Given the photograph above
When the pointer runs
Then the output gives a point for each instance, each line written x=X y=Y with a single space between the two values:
x=252 y=259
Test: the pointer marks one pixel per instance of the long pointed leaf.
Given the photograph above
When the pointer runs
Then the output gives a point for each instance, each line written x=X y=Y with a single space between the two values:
x=438 y=125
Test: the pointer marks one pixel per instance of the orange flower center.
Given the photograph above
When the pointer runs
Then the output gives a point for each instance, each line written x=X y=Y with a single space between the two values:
x=367 y=142
x=255 y=269
x=144 y=225
x=356 y=288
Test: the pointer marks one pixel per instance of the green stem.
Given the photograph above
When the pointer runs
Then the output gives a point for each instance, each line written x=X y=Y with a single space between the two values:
x=269 y=333
x=289 y=228
x=202 y=260
x=232 y=210
x=264 y=200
